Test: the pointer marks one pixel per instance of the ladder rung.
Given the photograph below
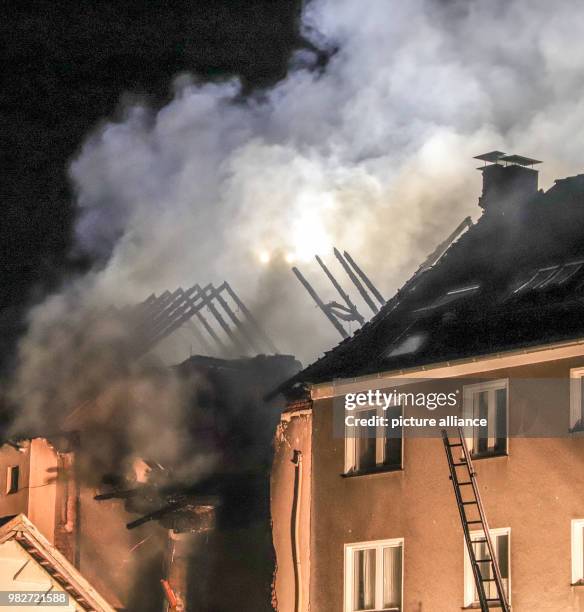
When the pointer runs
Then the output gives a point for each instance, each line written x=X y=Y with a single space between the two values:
x=456 y=459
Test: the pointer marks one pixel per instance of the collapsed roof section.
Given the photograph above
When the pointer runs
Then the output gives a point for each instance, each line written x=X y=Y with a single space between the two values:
x=340 y=313
x=515 y=279
x=217 y=317
x=232 y=423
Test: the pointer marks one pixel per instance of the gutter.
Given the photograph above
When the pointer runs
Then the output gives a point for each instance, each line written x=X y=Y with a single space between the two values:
x=448 y=369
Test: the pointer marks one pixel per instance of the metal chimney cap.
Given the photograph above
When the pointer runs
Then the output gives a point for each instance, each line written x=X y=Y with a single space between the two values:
x=492 y=156
x=520 y=160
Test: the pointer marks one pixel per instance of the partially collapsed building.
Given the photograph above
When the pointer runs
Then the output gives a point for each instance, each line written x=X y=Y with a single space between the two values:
x=371 y=521
x=190 y=534
x=371 y=517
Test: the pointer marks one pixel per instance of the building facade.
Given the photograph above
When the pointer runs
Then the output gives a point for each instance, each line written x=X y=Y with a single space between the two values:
x=388 y=536
x=370 y=521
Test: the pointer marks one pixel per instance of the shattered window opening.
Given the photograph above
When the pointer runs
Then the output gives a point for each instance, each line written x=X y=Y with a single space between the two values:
x=12 y=477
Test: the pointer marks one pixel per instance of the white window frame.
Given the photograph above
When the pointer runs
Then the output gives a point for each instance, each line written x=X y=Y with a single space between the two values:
x=469 y=583
x=469 y=392
x=577 y=539
x=576 y=412
x=378 y=545
x=351 y=443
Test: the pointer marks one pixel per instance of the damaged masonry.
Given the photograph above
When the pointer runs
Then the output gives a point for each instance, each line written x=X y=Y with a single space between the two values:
x=173 y=518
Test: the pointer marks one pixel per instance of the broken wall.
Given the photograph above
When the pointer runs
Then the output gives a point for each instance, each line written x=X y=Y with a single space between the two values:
x=291 y=505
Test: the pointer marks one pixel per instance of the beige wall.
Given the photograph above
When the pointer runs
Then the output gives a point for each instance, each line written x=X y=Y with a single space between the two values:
x=14 y=503
x=37 y=487
x=294 y=433
x=108 y=555
x=42 y=494
x=536 y=490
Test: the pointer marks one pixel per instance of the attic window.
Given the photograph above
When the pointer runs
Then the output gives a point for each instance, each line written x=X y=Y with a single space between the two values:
x=451 y=296
x=553 y=276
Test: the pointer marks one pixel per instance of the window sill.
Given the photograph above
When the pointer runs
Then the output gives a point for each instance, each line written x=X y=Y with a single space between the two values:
x=477 y=606
x=382 y=610
x=580 y=583
x=373 y=471
x=488 y=455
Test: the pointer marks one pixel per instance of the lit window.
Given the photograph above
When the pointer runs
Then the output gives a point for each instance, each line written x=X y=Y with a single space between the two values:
x=374 y=576
x=488 y=401
x=501 y=543
x=578 y=551
x=374 y=446
x=577 y=399
x=12 y=474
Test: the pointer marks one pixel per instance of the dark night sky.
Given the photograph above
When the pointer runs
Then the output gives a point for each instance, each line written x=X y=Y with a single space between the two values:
x=66 y=67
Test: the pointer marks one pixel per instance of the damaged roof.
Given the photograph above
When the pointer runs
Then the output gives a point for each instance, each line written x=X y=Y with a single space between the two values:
x=50 y=565
x=514 y=279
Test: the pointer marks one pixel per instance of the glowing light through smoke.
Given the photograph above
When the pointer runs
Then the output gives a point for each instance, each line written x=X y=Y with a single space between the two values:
x=309 y=233
x=264 y=257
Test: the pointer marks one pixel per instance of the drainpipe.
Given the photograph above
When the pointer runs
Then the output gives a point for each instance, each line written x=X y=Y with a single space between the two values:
x=297 y=461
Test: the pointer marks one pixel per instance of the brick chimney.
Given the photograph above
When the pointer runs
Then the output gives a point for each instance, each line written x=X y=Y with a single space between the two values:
x=508 y=180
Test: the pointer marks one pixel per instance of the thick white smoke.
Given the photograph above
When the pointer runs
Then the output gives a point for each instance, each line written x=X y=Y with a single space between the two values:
x=371 y=154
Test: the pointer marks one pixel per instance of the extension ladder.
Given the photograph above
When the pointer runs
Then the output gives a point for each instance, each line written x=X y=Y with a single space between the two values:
x=465 y=478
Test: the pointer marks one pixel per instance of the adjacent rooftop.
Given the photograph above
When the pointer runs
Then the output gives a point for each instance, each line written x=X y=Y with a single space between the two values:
x=514 y=279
